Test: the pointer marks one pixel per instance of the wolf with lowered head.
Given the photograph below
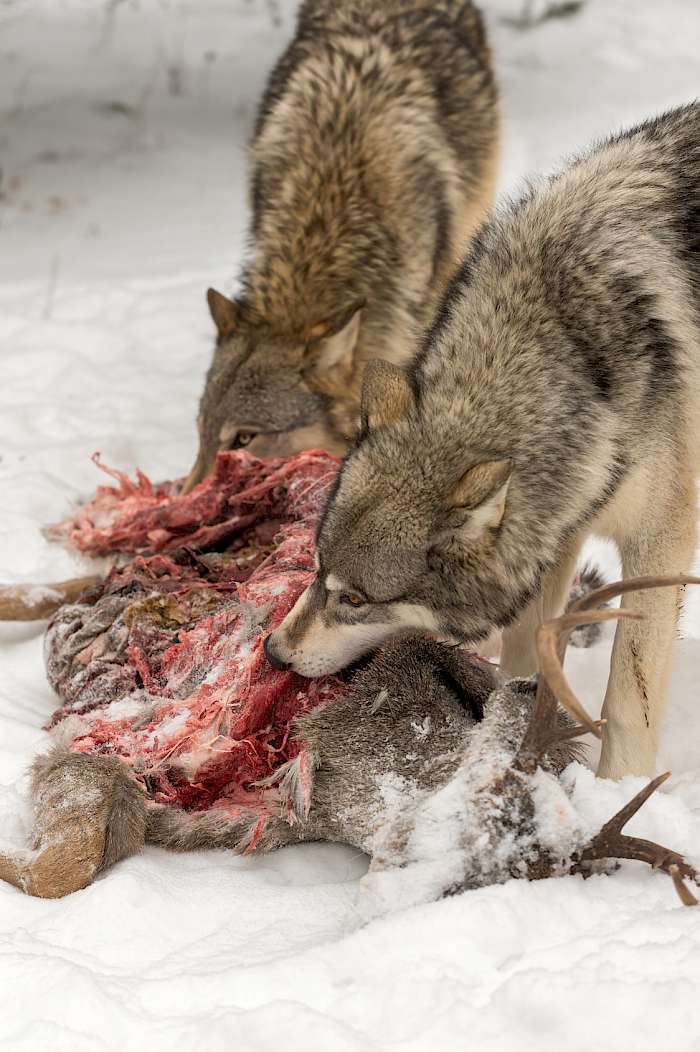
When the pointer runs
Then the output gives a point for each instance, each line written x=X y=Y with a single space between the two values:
x=372 y=163
x=556 y=395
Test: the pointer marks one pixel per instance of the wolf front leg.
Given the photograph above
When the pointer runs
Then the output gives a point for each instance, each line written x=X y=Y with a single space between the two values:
x=89 y=813
x=643 y=650
x=519 y=652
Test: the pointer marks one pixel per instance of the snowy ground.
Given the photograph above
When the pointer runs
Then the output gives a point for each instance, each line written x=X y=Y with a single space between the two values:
x=122 y=128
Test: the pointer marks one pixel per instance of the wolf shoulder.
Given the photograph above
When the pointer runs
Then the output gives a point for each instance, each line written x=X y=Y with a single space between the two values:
x=596 y=269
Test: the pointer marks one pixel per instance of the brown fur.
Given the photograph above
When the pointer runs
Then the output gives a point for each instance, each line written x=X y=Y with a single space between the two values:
x=431 y=764
x=408 y=718
x=372 y=164
x=89 y=814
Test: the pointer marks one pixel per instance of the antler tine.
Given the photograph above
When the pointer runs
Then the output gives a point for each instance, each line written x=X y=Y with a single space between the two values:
x=633 y=584
x=551 y=646
x=619 y=820
x=611 y=842
x=542 y=731
x=551 y=640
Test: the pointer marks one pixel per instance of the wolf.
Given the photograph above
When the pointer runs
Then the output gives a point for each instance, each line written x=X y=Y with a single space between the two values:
x=373 y=161
x=557 y=394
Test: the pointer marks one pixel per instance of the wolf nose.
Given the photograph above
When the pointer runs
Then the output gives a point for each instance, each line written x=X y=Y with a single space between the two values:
x=274 y=660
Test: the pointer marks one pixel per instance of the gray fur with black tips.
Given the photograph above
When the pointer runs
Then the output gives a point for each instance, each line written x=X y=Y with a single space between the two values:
x=556 y=395
x=372 y=163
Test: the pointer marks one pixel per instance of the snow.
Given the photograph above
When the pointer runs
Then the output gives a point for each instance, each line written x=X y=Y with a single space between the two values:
x=122 y=128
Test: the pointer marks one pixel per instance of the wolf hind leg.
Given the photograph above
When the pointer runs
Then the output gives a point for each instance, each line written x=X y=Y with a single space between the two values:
x=518 y=654
x=643 y=650
x=89 y=813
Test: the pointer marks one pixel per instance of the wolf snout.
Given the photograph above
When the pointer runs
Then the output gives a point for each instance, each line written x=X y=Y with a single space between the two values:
x=272 y=654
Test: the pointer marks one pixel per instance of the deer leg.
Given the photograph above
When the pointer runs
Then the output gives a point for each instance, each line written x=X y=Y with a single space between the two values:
x=22 y=602
x=643 y=650
x=89 y=814
x=519 y=652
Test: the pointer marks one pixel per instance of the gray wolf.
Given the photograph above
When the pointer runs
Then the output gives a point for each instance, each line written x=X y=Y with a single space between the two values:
x=372 y=163
x=557 y=394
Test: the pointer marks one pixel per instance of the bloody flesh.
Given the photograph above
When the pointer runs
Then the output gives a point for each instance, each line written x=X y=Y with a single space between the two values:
x=166 y=668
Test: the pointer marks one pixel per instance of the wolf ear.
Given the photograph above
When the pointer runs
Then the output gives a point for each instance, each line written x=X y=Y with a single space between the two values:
x=223 y=311
x=387 y=395
x=481 y=492
x=333 y=343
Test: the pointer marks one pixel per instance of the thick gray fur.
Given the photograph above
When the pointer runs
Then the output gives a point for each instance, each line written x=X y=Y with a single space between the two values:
x=556 y=395
x=372 y=163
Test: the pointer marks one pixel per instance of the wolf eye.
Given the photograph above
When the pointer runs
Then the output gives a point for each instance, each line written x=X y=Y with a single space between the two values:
x=241 y=439
x=351 y=599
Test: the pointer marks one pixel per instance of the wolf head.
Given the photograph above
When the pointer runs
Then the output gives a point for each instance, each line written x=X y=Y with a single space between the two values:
x=270 y=392
x=411 y=540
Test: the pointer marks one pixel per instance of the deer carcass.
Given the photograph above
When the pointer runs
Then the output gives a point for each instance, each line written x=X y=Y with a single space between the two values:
x=447 y=776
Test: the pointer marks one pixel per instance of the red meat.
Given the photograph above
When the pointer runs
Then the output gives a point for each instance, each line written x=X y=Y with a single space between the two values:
x=166 y=669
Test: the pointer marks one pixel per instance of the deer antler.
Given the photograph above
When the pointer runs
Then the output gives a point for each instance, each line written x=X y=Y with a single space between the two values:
x=552 y=637
x=542 y=732
x=23 y=602
x=551 y=643
x=633 y=584
x=611 y=842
